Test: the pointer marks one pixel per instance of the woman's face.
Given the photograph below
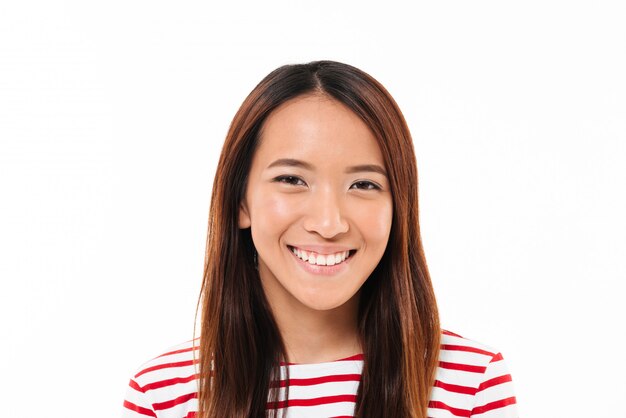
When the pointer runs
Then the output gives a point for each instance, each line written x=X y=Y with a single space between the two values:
x=317 y=186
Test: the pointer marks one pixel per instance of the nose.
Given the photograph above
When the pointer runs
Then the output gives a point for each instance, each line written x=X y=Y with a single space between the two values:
x=325 y=214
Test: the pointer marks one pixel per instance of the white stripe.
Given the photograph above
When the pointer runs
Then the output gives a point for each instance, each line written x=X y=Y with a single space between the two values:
x=458 y=377
x=496 y=369
x=464 y=357
x=459 y=400
x=179 y=411
x=168 y=393
x=328 y=410
x=305 y=371
x=440 y=413
x=320 y=390
x=495 y=393
x=164 y=374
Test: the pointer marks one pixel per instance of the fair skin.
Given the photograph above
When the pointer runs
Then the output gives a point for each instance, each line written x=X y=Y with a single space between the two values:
x=323 y=207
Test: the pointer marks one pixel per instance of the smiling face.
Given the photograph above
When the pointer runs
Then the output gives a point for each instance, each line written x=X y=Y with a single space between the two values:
x=317 y=192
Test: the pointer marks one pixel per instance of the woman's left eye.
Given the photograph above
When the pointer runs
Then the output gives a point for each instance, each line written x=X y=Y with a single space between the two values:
x=367 y=185
x=293 y=180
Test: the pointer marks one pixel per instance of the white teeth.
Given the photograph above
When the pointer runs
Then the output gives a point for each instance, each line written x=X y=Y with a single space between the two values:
x=320 y=259
x=301 y=254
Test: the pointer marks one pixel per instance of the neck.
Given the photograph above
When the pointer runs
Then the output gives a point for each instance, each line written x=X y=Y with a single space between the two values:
x=312 y=336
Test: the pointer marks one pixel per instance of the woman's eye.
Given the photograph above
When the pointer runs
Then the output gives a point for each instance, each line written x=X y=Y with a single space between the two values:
x=297 y=181
x=288 y=180
x=367 y=185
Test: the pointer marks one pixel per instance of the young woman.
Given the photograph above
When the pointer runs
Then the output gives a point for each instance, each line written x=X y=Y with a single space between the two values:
x=316 y=299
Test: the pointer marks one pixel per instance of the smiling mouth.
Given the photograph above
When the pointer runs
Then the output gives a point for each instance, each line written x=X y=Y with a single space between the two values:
x=321 y=259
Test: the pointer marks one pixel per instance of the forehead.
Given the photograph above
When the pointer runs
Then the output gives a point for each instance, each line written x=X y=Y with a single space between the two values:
x=320 y=129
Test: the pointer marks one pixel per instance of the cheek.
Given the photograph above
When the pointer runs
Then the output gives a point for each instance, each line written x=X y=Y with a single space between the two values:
x=271 y=212
x=375 y=221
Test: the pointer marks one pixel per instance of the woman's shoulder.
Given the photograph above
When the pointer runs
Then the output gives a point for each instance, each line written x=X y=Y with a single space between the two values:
x=165 y=382
x=469 y=359
x=472 y=377
x=179 y=358
x=457 y=347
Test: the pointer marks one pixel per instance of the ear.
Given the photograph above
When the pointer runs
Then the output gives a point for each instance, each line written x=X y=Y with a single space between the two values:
x=244 y=216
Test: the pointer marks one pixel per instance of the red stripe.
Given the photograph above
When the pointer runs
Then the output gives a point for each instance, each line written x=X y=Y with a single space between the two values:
x=494 y=405
x=324 y=400
x=451 y=347
x=191 y=414
x=497 y=357
x=167 y=366
x=494 y=382
x=169 y=404
x=139 y=409
x=463 y=367
x=359 y=356
x=135 y=386
x=454 y=411
x=455 y=388
x=169 y=382
x=318 y=380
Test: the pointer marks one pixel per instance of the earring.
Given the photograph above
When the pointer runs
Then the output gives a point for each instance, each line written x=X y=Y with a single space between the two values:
x=256 y=260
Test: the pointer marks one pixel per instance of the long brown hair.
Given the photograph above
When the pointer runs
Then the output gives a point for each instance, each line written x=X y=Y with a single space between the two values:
x=240 y=344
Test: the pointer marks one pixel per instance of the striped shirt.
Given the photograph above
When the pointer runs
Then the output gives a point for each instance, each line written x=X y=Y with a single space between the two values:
x=472 y=380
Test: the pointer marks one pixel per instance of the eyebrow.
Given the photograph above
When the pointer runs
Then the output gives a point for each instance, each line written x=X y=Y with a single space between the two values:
x=292 y=162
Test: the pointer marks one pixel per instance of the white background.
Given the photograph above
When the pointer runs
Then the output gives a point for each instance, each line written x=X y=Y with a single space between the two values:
x=112 y=116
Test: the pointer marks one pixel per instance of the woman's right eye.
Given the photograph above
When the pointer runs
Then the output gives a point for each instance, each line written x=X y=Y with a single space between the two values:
x=289 y=180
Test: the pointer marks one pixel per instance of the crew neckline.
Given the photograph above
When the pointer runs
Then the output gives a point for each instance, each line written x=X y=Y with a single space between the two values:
x=353 y=357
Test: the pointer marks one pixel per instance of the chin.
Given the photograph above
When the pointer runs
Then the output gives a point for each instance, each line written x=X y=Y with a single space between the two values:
x=323 y=306
x=321 y=303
